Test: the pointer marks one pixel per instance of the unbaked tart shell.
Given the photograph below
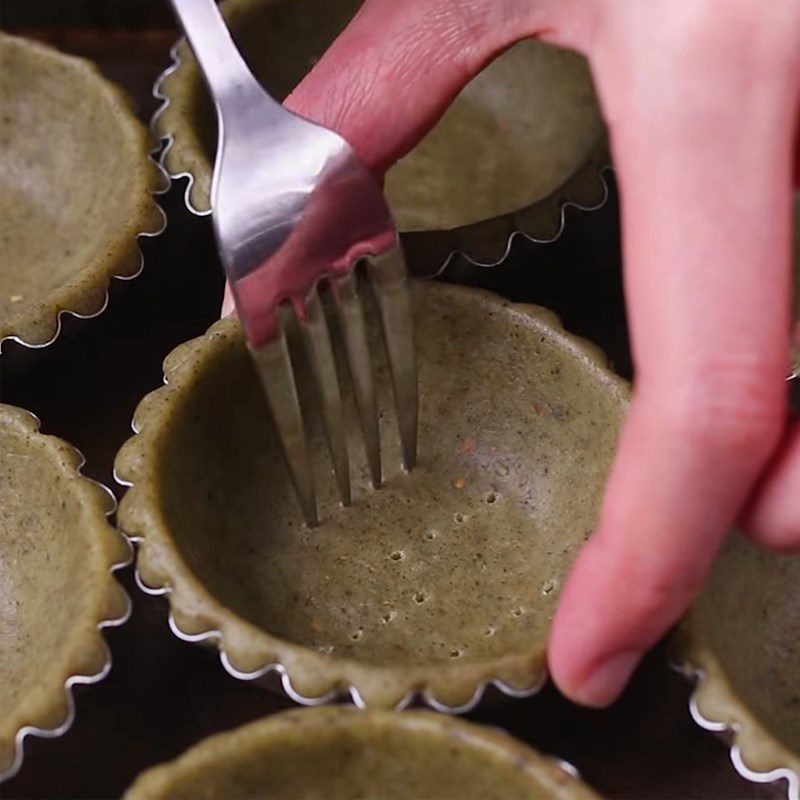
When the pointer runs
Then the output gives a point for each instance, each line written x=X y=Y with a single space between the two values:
x=57 y=553
x=76 y=190
x=442 y=581
x=741 y=643
x=523 y=140
x=341 y=753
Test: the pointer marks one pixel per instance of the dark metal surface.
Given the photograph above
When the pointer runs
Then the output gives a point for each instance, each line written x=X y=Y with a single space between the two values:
x=162 y=694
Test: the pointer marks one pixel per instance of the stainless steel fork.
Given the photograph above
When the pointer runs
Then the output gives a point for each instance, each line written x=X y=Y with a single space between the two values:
x=294 y=211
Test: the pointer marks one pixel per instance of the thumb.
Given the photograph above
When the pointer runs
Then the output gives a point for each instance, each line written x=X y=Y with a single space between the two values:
x=394 y=70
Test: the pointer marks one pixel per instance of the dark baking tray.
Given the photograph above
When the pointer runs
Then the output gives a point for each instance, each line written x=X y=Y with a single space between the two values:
x=162 y=694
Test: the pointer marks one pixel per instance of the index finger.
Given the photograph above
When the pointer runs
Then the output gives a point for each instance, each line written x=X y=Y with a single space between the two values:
x=705 y=175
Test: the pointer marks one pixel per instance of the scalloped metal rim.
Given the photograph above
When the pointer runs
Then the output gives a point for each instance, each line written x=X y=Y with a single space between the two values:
x=519 y=232
x=214 y=636
x=168 y=140
x=564 y=206
x=728 y=732
x=163 y=188
x=75 y=680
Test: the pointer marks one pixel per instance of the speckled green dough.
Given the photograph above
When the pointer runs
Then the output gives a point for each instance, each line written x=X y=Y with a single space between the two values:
x=75 y=188
x=745 y=628
x=56 y=549
x=515 y=134
x=452 y=570
x=346 y=754
x=421 y=571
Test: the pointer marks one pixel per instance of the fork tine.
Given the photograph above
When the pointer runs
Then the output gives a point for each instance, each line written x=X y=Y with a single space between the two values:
x=274 y=368
x=354 y=330
x=388 y=277
x=320 y=352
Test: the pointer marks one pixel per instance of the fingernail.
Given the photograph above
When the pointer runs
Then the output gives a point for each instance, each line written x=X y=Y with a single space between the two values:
x=608 y=679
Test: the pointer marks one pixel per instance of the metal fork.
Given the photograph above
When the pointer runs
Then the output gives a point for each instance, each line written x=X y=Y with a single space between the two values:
x=295 y=210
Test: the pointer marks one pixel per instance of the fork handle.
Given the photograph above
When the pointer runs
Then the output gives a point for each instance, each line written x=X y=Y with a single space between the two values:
x=228 y=77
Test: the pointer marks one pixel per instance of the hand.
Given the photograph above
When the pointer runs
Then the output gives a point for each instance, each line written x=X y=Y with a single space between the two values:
x=701 y=99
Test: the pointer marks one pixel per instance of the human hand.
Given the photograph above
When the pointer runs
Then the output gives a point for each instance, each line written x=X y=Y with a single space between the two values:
x=701 y=99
